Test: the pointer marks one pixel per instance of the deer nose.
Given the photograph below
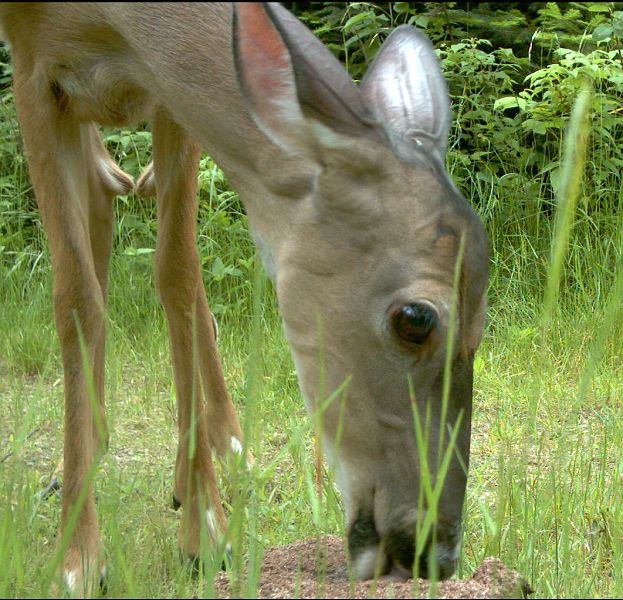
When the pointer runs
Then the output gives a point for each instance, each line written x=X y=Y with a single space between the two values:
x=438 y=560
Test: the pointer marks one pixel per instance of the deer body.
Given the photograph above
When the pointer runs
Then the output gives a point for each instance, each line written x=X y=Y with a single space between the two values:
x=356 y=220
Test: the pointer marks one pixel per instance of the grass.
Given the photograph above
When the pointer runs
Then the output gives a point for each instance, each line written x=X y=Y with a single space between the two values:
x=545 y=478
x=547 y=449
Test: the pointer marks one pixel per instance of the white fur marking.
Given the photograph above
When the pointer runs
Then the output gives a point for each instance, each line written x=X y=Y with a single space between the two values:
x=236 y=446
x=70 y=579
x=267 y=256
x=215 y=325
x=447 y=555
x=365 y=563
x=211 y=521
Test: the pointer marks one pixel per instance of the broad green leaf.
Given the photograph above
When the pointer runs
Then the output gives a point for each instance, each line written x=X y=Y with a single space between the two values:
x=509 y=102
x=598 y=7
x=602 y=32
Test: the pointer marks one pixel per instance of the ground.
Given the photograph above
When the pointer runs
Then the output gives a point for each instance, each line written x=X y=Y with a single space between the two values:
x=317 y=569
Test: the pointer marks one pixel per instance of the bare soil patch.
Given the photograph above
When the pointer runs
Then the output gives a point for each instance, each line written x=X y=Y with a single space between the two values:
x=318 y=569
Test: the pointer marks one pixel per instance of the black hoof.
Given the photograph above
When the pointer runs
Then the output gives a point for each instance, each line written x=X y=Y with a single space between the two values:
x=176 y=503
x=228 y=559
x=52 y=488
x=104 y=585
x=194 y=562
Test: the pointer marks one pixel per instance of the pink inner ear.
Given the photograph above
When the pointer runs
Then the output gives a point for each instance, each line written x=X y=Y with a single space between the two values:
x=262 y=54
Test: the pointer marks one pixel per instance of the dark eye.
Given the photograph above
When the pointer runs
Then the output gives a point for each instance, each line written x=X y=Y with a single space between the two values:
x=414 y=322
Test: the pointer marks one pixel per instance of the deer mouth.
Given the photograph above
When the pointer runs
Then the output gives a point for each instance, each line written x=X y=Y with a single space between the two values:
x=394 y=554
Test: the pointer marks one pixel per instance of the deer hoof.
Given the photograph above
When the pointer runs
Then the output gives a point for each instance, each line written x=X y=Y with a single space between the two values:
x=194 y=562
x=52 y=488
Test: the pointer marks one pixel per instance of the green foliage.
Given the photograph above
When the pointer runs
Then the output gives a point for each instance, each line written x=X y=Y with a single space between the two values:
x=21 y=239
x=545 y=104
x=535 y=30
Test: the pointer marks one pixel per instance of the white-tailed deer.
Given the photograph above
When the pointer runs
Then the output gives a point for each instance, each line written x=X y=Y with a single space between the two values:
x=357 y=222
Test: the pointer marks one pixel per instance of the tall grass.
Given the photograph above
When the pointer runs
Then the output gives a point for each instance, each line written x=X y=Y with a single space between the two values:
x=552 y=393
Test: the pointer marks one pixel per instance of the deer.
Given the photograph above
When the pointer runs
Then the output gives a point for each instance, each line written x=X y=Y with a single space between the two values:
x=378 y=261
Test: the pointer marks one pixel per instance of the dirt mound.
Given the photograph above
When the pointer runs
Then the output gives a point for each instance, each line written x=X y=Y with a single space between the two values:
x=317 y=569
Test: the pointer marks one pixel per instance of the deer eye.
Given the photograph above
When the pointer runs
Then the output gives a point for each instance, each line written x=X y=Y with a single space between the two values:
x=413 y=322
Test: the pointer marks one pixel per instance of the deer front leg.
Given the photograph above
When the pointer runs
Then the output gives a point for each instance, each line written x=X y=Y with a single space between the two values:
x=74 y=183
x=206 y=417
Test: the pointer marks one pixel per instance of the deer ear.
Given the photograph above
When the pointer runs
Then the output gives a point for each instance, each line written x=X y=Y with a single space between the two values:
x=298 y=92
x=408 y=93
